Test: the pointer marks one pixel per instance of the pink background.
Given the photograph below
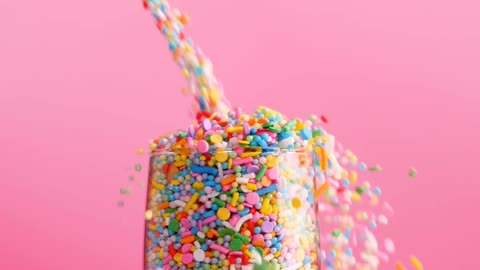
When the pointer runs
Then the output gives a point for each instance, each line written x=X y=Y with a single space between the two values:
x=85 y=83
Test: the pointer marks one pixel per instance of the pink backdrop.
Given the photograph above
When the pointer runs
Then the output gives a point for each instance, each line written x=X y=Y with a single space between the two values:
x=85 y=83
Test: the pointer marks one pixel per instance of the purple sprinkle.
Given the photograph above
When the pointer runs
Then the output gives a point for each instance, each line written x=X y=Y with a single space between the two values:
x=267 y=226
x=206 y=124
x=246 y=129
x=252 y=169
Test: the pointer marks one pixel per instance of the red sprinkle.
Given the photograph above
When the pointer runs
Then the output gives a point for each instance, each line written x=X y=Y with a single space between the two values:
x=324 y=119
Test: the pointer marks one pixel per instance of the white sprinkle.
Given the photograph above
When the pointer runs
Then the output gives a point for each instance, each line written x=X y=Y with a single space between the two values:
x=241 y=221
x=242 y=180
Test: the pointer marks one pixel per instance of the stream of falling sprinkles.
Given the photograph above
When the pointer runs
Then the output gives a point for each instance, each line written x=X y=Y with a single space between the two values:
x=351 y=208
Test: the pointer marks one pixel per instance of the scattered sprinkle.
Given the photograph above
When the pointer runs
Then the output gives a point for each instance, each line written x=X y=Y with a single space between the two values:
x=413 y=172
x=375 y=168
x=416 y=263
x=124 y=191
x=138 y=167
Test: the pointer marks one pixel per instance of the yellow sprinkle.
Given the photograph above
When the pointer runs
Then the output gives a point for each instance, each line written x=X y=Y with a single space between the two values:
x=265 y=207
x=250 y=154
x=296 y=203
x=235 y=198
x=152 y=227
x=175 y=182
x=153 y=146
x=243 y=142
x=193 y=199
x=272 y=162
x=157 y=185
x=251 y=186
x=221 y=156
x=416 y=263
x=229 y=163
x=353 y=177
x=185 y=73
x=215 y=138
x=234 y=129
x=198 y=185
x=148 y=215
x=203 y=158
x=178 y=257
x=356 y=197
x=140 y=151
x=179 y=163
x=212 y=116
x=399 y=266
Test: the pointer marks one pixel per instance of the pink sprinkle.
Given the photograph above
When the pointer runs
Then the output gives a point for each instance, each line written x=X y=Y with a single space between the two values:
x=227 y=187
x=187 y=248
x=242 y=161
x=273 y=173
x=235 y=253
x=210 y=219
x=234 y=219
x=231 y=208
x=185 y=234
x=389 y=245
x=187 y=258
x=219 y=248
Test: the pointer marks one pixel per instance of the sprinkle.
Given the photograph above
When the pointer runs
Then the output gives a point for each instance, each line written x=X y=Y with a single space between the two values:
x=124 y=191
x=413 y=172
x=375 y=168
x=416 y=263
x=138 y=167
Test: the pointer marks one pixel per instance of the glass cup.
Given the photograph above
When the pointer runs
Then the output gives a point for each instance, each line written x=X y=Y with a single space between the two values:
x=232 y=209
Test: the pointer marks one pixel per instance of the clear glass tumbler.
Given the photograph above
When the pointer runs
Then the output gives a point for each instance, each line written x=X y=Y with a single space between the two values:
x=231 y=209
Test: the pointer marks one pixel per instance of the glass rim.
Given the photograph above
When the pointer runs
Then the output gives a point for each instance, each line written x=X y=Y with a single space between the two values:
x=251 y=149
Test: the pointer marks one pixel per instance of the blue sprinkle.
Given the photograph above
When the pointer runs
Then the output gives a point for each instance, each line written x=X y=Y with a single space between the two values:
x=266 y=190
x=306 y=133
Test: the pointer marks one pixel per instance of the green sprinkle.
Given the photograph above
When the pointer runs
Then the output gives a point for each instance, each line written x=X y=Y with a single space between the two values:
x=274 y=129
x=375 y=168
x=267 y=125
x=241 y=237
x=336 y=233
x=124 y=191
x=173 y=225
x=219 y=202
x=138 y=167
x=131 y=178
x=261 y=173
x=290 y=125
x=141 y=185
x=236 y=244
x=170 y=210
x=359 y=190
x=412 y=173
x=226 y=231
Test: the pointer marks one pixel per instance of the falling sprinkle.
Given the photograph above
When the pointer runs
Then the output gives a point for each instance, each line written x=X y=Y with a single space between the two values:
x=131 y=178
x=324 y=119
x=124 y=191
x=375 y=168
x=416 y=263
x=140 y=151
x=400 y=266
x=120 y=203
x=138 y=167
x=389 y=245
x=141 y=185
x=412 y=173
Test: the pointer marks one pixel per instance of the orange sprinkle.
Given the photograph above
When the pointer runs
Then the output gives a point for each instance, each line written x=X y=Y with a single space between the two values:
x=317 y=193
x=188 y=239
x=163 y=205
x=228 y=180
x=399 y=266
x=208 y=254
